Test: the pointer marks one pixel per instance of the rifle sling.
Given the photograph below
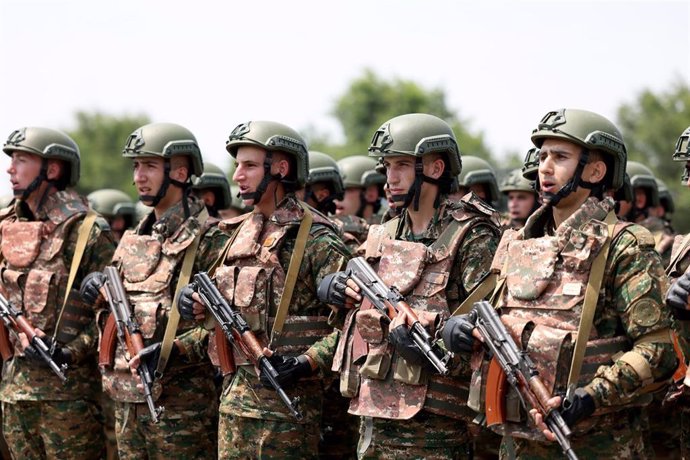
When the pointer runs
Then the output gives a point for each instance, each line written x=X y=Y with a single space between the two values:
x=174 y=315
x=479 y=292
x=82 y=238
x=589 y=306
x=291 y=277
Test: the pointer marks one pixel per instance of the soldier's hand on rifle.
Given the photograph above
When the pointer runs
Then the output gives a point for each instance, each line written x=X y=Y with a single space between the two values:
x=289 y=369
x=580 y=407
x=189 y=304
x=58 y=354
x=148 y=356
x=91 y=286
x=338 y=289
x=459 y=332
x=677 y=297
x=399 y=337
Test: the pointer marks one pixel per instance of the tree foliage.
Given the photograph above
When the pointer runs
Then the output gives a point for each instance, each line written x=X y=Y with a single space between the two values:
x=651 y=125
x=370 y=100
x=101 y=138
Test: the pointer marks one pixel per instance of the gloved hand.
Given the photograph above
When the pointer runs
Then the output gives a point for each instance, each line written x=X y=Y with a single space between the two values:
x=90 y=286
x=60 y=355
x=149 y=356
x=332 y=289
x=580 y=407
x=457 y=332
x=401 y=339
x=289 y=370
x=677 y=297
x=185 y=302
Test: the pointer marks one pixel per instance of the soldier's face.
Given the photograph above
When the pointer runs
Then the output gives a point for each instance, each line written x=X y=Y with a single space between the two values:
x=148 y=175
x=249 y=171
x=350 y=203
x=400 y=174
x=640 y=198
x=520 y=204
x=24 y=168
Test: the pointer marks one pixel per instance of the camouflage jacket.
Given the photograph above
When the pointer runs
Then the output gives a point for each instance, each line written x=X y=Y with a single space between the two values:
x=149 y=259
x=37 y=255
x=252 y=278
x=434 y=271
x=663 y=237
x=545 y=279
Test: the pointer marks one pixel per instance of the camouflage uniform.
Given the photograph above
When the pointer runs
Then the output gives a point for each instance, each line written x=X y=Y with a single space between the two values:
x=41 y=416
x=545 y=276
x=253 y=420
x=353 y=230
x=149 y=260
x=405 y=412
x=663 y=237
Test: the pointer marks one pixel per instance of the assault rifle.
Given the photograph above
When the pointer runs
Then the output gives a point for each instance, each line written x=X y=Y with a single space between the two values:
x=16 y=323
x=510 y=364
x=128 y=332
x=240 y=335
x=390 y=302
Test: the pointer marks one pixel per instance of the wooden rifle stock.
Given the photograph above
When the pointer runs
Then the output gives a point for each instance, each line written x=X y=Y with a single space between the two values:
x=496 y=386
x=225 y=356
x=6 y=349
x=106 y=351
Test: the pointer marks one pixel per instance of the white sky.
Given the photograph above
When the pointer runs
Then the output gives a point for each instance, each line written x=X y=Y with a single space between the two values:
x=211 y=65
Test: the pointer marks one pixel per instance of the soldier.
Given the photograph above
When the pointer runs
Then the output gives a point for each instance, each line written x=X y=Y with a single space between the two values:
x=282 y=246
x=549 y=278
x=522 y=199
x=151 y=260
x=213 y=188
x=435 y=253
x=116 y=207
x=479 y=177
x=363 y=191
x=644 y=210
x=41 y=248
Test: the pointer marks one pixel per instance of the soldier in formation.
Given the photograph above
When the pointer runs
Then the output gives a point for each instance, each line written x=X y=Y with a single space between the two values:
x=522 y=199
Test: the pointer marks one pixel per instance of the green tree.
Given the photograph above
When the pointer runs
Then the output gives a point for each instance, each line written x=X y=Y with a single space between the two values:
x=651 y=124
x=370 y=100
x=101 y=138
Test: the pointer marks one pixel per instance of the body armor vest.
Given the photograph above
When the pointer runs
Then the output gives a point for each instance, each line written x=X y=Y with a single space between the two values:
x=542 y=300
x=380 y=382
x=679 y=257
x=34 y=273
x=147 y=264
x=252 y=279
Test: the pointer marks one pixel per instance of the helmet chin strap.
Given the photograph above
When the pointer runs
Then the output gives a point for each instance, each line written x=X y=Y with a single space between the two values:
x=552 y=199
x=23 y=194
x=415 y=190
x=163 y=190
x=263 y=185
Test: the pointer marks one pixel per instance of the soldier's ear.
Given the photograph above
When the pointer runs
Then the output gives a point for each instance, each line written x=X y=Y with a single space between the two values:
x=596 y=171
x=54 y=171
x=437 y=168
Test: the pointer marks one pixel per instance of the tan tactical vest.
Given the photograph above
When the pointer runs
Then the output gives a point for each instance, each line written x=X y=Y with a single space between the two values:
x=147 y=264
x=541 y=301
x=380 y=382
x=252 y=280
x=34 y=273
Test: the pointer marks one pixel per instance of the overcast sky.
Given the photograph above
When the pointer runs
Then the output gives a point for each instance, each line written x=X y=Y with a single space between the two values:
x=211 y=65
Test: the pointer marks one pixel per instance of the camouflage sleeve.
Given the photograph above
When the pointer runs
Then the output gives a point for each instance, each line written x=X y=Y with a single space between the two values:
x=634 y=304
x=194 y=342
x=210 y=249
x=98 y=254
x=472 y=262
x=325 y=253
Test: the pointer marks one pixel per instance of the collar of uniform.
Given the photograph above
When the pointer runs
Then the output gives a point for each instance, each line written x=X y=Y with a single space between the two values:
x=288 y=211
x=61 y=205
x=171 y=220
x=436 y=226
x=541 y=223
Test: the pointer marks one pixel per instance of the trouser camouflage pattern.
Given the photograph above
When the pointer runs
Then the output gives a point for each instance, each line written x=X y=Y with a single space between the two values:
x=179 y=434
x=339 y=430
x=53 y=429
x=244 y=437
x=425 y=436
x=108 y=410
x=620 y=437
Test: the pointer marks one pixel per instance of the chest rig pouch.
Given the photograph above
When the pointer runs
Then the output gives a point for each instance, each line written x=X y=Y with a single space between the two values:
x=389 y=386
x=34 y=274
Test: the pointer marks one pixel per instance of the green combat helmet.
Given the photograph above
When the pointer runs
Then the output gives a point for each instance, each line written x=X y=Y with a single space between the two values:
x=476 y=171
x=643 y=177
x=324 y=169
x=166 y=140
x=110 y=202
x=530 y=167
x=682 y=152
x=272 y=137
x=591 y=132
x=418 y=134
x=214 y=179
x=665 y=197
x=49 y=144
x=515 y=182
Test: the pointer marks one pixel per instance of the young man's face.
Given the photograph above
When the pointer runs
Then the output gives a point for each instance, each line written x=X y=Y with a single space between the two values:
x=520 y=204
x=23 y=169
x=350 y=203
x=640 y=198
x=249 y=170
x=400 y=174
x=148 y=176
